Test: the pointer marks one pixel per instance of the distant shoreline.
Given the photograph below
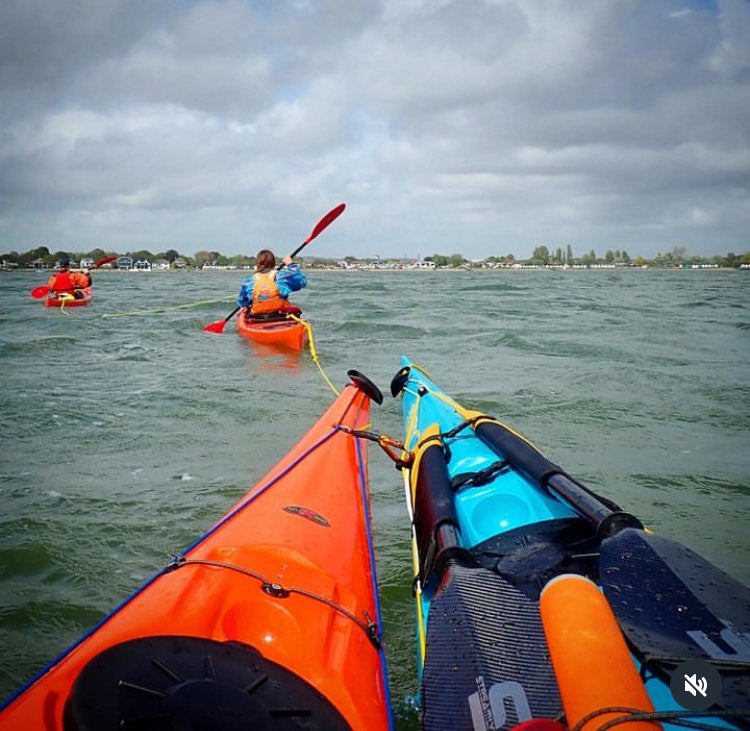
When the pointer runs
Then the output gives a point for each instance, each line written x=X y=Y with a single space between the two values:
x=405 y=270
x=527 y=270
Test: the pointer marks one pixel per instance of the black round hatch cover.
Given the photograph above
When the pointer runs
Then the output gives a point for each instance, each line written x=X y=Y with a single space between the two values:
x=176 y=683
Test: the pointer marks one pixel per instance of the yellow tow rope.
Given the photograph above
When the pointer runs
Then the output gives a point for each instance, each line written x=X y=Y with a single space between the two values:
x=313 y=352
x=166 y=309
x=64 y=297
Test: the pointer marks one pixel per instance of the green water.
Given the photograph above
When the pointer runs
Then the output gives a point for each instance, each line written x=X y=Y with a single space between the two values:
x=123 y=439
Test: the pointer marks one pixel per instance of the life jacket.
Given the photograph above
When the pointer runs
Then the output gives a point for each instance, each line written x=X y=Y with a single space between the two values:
x=68 y=281
x=266 y=297
x=62 y=283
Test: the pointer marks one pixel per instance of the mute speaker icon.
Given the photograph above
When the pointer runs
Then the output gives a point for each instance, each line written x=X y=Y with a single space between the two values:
x=695 y=685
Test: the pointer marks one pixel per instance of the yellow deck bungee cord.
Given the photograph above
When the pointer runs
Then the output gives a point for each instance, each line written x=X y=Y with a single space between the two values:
x=313 y=352
x=166 y=309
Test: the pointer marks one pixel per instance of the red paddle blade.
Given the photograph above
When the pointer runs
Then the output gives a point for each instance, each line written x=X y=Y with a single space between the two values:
x=39 y=292
x=216 y=327
x=326 y=221
x=105 y=260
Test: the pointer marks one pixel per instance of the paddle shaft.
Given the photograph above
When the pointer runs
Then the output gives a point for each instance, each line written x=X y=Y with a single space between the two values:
x=232 y=314
x=293 y=254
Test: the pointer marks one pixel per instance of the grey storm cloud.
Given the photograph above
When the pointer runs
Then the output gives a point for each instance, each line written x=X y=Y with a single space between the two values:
x=484 y=127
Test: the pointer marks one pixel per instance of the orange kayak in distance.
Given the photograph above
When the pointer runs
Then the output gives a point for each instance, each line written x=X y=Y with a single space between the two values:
x=68 y=300
x=270 y=620
x=279 y=331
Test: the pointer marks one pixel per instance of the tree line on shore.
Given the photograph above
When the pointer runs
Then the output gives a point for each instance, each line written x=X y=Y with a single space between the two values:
x=542 y=256
x=42 y=255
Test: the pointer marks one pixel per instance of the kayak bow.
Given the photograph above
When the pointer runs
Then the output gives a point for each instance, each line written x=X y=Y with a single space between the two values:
x=495 y=527
x=270 y=620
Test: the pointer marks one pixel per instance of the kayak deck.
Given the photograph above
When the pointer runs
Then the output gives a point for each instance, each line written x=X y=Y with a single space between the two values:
x=288 y=574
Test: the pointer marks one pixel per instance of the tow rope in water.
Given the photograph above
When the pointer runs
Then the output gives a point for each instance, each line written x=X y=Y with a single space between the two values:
x=64 y=298
x=166 y=309
x=313 y=352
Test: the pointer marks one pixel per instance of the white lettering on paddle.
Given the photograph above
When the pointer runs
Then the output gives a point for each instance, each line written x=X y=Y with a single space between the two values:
x=739 y=642
x=488 y=709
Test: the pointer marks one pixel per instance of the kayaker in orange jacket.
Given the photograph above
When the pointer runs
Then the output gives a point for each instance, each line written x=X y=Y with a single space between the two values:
x=67 y=282
x=267 y=291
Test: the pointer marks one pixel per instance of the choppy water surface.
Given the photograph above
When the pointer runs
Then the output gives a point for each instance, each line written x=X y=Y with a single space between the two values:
x=124 y=438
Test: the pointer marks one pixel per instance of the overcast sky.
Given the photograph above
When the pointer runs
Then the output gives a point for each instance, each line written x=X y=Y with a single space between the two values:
x=483 y=127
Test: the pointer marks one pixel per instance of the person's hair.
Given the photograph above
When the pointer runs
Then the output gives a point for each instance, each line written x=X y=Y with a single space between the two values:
x=265 y=259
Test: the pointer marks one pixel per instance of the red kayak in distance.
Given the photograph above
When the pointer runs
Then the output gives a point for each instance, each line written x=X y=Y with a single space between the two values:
x=68 y=299
x=282 y=331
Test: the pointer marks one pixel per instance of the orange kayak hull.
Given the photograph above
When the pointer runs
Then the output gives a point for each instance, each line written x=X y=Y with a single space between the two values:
x=288 y=571
x=69 y=301
x=283 y=333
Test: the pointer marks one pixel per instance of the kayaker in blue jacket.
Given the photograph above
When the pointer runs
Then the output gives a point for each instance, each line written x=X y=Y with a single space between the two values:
x=267 y=291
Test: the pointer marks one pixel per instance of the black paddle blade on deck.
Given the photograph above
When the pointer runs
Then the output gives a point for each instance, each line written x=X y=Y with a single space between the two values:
x=487 y=661
x=673 y=604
